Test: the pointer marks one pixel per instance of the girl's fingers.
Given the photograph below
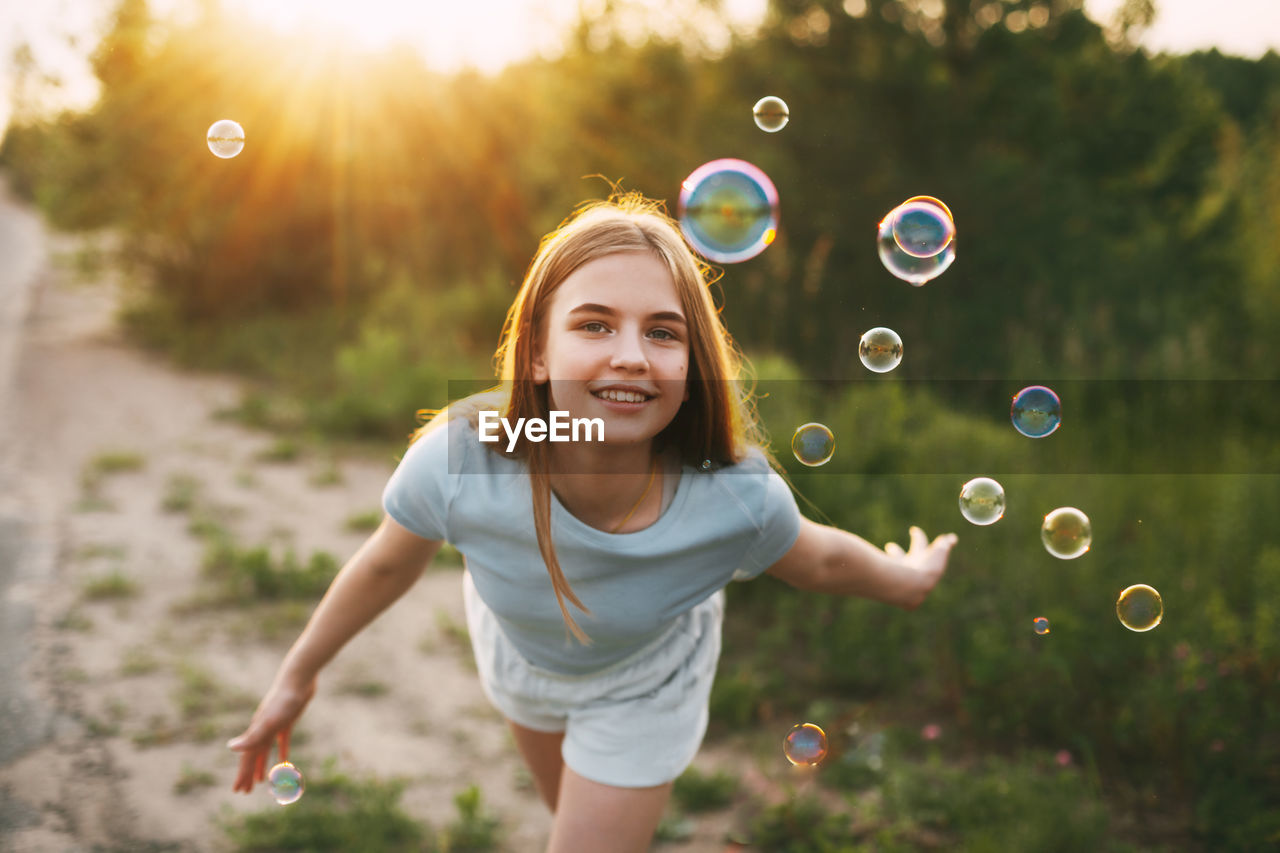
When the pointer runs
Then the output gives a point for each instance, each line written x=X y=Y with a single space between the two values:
x=918 y=539
x=893 y=549
x=284 y=744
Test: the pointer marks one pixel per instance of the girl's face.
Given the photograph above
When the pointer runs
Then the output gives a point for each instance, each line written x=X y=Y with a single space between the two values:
x=616 y=346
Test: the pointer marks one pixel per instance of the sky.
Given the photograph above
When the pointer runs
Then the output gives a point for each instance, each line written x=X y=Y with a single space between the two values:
x=488 y=34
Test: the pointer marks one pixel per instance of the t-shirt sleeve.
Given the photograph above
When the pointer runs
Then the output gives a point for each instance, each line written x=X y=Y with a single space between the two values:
x=779 y=527
x=421 y=489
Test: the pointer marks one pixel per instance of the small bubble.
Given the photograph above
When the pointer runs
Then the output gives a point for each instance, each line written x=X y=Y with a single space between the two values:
x=880 y=349
x=771 y=114
x=813 y=445
x=285 y=783
x=1040 y=624
x=982 y=501
x=706 y=464
x=806 y=743
x=1140 y=607
x=1066 y=533
x=225 y=138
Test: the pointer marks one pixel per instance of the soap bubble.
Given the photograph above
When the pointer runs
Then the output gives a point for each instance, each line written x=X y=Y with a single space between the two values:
x=880 y=349
x=1140 y=607
x=226 y=138
x=728 y=210
x=806 y=743
x=982 y=501
x=771 y=114
x=813 y=445
x=285 y=783
x=1040 y=624
x=1066 y=533
x=922 y=227
x=1036 y=411
x=910 y=268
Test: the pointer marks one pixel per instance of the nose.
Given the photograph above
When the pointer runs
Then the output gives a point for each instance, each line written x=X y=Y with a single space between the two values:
x=628 y=352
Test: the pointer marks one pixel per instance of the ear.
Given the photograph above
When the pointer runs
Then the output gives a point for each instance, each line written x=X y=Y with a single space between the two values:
x=539 y=364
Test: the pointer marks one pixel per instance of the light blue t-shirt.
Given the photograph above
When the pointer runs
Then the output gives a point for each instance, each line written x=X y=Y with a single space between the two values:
x=721 y=525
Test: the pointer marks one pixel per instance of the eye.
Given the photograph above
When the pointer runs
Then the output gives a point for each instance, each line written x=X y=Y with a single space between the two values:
x=665 y=334
x=593 y=326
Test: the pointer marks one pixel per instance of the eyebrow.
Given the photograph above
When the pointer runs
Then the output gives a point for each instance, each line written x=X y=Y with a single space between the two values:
x=593 y=308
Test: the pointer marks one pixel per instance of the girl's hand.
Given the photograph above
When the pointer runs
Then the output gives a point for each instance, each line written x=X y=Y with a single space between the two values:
x=924 y=560
x=273 y=720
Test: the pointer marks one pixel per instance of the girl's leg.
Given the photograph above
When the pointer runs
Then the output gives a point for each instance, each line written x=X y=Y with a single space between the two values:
x=541 y=751
x=602 y=818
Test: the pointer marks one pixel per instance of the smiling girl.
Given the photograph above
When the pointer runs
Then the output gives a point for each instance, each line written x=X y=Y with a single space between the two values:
x=639 y=529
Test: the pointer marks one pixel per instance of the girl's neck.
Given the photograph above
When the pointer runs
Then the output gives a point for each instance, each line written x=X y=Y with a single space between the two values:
x=611 y=488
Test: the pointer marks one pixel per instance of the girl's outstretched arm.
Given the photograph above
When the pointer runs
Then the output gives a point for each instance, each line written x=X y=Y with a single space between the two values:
x=384 y=568
x=828 y=559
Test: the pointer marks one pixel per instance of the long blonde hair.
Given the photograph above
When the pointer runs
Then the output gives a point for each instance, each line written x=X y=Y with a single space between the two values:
x=716 y=425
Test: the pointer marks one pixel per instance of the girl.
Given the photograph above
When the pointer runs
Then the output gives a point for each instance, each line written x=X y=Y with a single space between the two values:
x=639 y=526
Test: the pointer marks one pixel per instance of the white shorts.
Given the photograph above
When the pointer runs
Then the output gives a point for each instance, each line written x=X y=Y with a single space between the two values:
x=634 y=724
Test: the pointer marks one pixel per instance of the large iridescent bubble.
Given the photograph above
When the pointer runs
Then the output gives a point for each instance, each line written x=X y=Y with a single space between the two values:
x=729 y=210
x=899 y=226
x=1066 y=533
x=923 y=227
x=1036 y=411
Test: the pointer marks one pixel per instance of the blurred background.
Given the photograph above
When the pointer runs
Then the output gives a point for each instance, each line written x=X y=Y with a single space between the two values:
x=1114 y=172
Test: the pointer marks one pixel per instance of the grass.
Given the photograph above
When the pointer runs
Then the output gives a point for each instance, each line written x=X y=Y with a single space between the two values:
x=248 y=575
x=454 y=631
x=368 y=688
x=191 y=779
x=283 y=449
x=112 y=585
x=337 y=813
x=138 y=661
x=364 y=522
x=101 y=551
x=180 y=493
x=698 y=792
x=115 y=462
x=199 y=696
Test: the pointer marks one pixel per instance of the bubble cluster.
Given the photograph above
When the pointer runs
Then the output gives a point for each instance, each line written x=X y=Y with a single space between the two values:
x=922 y=227
x=914 y=230
x=1140 y=607
x=982 y=501
x=771 y=114
x=1036 y=411
x=1040 y=624
x=880 y=349
x=1066 y=533
x=226 y=138
x=813 y=444
x=285 y=783
x=728 y=210
x=805 y=744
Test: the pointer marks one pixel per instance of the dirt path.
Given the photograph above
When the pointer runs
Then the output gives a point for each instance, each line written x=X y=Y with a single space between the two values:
x=118 y=705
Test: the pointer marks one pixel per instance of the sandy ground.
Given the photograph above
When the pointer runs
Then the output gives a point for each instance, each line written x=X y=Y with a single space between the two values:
x=107 y=758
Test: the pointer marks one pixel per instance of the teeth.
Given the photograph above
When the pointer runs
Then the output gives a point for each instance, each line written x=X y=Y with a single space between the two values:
x=621 y=396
